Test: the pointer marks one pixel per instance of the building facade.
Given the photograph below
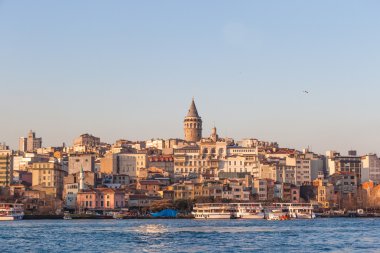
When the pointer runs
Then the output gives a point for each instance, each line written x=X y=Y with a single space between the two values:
x=87 y=162
x=48 y=177
x=100 y=199
x=371 y=164
x=6 y=168
x=131 y=165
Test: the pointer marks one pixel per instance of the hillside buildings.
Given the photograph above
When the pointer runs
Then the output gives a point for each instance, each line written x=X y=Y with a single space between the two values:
x=95 y=176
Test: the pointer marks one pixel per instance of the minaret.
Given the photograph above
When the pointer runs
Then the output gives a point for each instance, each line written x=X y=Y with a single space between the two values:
x=214 y=136
x=81 y=180
x=192 y=124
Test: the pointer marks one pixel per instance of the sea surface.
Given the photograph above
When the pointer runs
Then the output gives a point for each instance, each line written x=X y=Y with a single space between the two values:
x=319 y=235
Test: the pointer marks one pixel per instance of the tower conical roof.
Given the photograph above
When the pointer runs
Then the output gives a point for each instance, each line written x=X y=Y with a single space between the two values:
x=193 y=110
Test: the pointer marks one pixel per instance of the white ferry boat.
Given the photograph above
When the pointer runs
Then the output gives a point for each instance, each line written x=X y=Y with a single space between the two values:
x=248 y=211
x=11 y=211
x=212 y=211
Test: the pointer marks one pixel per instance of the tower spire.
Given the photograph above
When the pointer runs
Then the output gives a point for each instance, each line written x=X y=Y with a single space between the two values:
x=193 y=112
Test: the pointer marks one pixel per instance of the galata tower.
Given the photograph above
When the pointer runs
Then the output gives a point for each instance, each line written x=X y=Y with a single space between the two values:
x=192 y=124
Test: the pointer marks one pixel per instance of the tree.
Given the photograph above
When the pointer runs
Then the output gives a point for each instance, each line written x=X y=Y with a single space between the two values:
x=204 y=199
x=159 y=205
x=183 y=205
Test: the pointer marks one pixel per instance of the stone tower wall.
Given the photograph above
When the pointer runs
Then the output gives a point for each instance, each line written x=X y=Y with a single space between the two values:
x=193 y=129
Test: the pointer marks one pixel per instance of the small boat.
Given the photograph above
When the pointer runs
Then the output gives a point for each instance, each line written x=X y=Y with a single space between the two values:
x=67 y=216
x=305 y=215
x=118 y=215
x=11 y=211
x=277 y=214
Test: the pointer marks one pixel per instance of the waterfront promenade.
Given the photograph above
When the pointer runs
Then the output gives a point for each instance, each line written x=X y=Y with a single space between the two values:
x=331 y=235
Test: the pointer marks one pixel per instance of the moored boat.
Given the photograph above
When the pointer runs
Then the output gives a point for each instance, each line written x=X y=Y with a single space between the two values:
x=11 y=211
x=276 y=214
x=67 y=216
x=249 y=211
x=301 y=211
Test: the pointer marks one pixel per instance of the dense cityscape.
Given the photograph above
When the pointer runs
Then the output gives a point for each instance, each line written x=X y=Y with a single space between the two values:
x=144 y=176
x=151 y=175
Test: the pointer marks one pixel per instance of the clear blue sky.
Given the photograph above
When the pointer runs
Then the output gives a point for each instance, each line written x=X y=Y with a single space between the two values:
x=128 y=69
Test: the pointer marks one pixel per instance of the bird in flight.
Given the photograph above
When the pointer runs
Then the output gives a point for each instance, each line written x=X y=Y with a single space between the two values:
x=305 y=91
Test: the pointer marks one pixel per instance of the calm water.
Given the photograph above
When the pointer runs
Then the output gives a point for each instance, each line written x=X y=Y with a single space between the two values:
x=333 y=235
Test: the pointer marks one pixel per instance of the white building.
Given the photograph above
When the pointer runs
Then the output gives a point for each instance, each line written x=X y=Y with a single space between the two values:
x=155 y=143
x=371 y=168
x=71 y=191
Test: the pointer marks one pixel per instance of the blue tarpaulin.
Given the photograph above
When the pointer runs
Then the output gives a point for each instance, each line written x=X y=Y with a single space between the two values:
x=165 y=213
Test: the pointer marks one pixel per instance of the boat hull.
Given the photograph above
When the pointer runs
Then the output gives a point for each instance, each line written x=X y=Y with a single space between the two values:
x=305 y=216
x=251 y=216
x=11 y=218
x=276 y=216
x=213 y=216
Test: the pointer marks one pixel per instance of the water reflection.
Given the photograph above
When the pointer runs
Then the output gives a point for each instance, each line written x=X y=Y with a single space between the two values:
x=151 y=229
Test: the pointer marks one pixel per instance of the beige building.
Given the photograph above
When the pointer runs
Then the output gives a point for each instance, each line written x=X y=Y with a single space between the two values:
x=124 y=164
x=278 y=171
x=309 y=166
x=241 y=163
x=87 y=140
x=87 y=162
x=264 y=188
x=183 y=191
x=325 y=193
x=235 y=191
x=48 y=177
